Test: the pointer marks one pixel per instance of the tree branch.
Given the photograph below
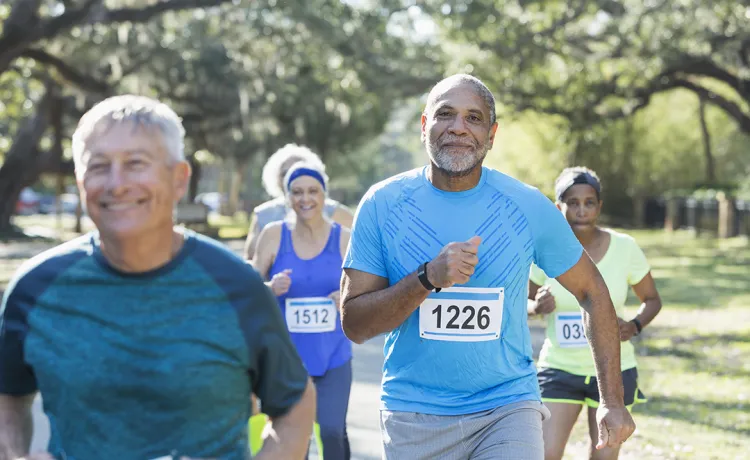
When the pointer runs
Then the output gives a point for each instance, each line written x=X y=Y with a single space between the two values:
x=12 y=45
x=85 y=82
x=146 y=13
x=731 y=108
x=704 y=67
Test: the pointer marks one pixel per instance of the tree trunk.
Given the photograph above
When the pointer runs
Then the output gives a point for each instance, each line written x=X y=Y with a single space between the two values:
x=235 y=186
x=23 y=162
x=710 y=169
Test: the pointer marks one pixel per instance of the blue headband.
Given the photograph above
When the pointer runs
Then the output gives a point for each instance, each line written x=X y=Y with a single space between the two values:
x=305 y=172
x=575 y=178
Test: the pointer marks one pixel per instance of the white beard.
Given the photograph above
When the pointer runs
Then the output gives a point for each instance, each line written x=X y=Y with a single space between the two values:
x=456 y=163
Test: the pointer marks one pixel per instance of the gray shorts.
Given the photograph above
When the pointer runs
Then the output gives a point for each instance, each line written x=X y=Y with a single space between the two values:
x=512 y=432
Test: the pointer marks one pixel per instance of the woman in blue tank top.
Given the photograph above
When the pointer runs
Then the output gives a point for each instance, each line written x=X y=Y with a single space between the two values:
x=302 y=259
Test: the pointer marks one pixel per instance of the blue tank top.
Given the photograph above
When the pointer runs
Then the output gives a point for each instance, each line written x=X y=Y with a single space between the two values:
x=313 y=279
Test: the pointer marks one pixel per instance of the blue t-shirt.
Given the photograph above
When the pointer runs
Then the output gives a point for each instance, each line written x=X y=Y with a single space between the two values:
x=138 y=366
x=405 y=221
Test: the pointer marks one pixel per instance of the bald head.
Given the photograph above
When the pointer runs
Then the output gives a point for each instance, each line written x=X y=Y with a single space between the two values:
x=460 y=80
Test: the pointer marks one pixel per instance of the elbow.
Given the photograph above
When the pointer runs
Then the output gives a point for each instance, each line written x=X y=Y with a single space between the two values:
x=351 y=331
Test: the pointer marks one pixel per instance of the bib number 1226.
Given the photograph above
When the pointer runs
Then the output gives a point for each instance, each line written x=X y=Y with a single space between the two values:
x=467 y=318
x=462 y=314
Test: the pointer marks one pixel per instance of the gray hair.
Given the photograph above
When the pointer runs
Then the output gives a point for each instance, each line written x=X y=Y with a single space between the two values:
x=272 y=168
x=458 y=79
x=315 y=166
x=138 y=110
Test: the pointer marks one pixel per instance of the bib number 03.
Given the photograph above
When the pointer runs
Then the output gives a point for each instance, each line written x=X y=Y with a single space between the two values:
x=570 y=330
x=462 y=315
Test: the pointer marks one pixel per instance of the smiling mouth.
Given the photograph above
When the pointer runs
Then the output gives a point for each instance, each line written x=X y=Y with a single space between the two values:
x=465 y=146
x=122 y=206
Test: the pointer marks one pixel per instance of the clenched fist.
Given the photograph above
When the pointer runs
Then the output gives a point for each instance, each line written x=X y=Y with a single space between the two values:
x=544 y=301
x=281 y=282
x=455 y=263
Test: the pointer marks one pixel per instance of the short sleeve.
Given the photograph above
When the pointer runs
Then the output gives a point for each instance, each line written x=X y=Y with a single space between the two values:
x=16 y=376
x=280 y=378
x=537 y=275
x=638 y=266
x=366 y=251
x=556 y=248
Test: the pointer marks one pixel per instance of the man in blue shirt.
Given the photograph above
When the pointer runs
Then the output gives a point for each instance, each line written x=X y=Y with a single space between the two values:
x=145 y=341
x=439 y=259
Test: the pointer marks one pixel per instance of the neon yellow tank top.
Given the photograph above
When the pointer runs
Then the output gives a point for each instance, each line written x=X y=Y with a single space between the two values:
x=565 y=348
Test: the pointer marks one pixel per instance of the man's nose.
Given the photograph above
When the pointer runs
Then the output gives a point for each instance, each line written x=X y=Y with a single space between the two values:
x=458 y=126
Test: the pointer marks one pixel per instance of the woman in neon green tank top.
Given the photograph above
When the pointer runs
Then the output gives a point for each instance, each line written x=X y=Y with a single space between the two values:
x=567 y=376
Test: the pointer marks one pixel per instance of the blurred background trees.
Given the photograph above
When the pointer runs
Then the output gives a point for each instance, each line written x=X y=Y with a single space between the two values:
x=652 y=94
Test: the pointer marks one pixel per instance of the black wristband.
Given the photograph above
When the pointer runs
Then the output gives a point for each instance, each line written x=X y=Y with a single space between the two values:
x=422 y=275
x=638 y=325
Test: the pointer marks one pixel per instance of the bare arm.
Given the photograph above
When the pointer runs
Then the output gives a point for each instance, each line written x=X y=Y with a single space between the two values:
x=585 y=282
x=16 y=426
x=645 y=289
x=370 y=307
x=343 y=216
x=650 y=300
x=267 y=244
x=291 y=432
x=252 y=238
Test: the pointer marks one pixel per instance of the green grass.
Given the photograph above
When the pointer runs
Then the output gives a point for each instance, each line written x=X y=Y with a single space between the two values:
x=694 y=359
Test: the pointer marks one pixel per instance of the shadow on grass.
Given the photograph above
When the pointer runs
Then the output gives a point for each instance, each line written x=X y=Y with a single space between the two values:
x=722 y=355
x=719 y=415
x=699 y=273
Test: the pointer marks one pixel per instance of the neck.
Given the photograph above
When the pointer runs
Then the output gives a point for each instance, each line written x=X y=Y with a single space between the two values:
x=587 y=237
x=311 y=229
x=138 y=254
x=446 y=182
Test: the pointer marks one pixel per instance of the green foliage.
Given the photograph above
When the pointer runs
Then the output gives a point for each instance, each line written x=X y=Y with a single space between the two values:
x=621 y=83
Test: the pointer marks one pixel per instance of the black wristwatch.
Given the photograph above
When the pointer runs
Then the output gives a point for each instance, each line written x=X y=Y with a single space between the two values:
x=422 y=275
x=637 y=325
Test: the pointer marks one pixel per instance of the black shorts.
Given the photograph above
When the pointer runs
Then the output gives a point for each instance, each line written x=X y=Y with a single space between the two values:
x=564 y=387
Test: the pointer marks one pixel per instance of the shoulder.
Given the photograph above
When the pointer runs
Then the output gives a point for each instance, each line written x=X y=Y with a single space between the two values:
x=271 y=232
x=344 y=239
x=520 y=192
x=270 y=205
x=227 y=269
x=270 y=210
x=623 y=240
x=331 y=203
x=389 y=190
x=38 y=273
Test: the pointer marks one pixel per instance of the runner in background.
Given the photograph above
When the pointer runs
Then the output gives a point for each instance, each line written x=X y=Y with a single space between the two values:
x=567 y=374
x=276 y=209
x=301 y=258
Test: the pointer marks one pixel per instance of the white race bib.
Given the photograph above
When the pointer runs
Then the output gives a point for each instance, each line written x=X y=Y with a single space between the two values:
x=462 y=314
x=570 y=330
x=311 y=314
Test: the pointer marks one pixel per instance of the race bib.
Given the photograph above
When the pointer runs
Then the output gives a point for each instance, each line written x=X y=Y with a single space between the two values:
x=311 y=314
x=570 y=330
x=462 y=314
